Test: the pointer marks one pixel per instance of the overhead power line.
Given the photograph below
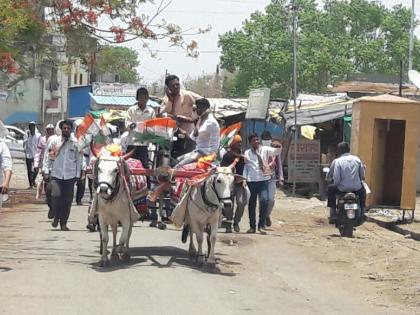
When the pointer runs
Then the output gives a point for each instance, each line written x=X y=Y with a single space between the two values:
x=205 y=12
x=180 y=51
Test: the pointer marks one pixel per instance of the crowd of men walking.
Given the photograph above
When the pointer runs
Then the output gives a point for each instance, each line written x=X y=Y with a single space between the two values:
x=56 y=157
x=62 y=165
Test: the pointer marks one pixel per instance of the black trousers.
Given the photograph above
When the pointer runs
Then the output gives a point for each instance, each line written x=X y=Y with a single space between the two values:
x=31 y=173
x=140 y=153
x=47 y=189
x=90 y=184
x=333 y=191
x=62 y=192
x=80 y=191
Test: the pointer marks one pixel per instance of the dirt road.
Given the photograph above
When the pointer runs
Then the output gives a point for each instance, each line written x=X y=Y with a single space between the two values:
x=300 y=268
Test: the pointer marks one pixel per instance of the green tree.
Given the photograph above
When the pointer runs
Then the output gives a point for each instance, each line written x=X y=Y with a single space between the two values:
x=118 y=60
x=340 y=38
x=19 y=32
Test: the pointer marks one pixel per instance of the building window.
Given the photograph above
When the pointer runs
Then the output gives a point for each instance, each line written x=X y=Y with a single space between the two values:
x=81 y=79
x=75 y=79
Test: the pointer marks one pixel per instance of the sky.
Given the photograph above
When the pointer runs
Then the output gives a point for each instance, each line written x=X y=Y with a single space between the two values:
x=221 y=15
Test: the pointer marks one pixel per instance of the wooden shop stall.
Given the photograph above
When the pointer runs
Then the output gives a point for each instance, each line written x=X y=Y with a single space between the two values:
x=385 y=135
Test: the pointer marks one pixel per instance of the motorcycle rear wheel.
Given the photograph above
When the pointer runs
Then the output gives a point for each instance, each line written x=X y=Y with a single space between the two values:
x=346 y=230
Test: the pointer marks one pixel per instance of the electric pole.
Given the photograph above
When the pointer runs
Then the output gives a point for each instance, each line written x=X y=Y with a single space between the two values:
x=293 y=7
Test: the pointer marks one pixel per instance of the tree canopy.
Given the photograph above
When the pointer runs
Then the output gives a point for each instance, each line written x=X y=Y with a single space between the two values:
x=118 y=60
x=335 y=40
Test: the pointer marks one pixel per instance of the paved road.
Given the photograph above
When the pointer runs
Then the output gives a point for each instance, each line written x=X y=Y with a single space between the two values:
x=46 y=271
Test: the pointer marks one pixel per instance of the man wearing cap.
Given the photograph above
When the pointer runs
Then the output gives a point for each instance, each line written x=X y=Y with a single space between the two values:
x=30 y=147
x=63 y=165
x=240 y=189
x=39 y=160
x=81 y=182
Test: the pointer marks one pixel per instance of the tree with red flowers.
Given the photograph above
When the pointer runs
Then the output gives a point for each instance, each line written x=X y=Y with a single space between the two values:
x=24 y=23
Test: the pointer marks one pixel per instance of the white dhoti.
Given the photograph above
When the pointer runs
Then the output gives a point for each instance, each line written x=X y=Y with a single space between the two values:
x=178 y=215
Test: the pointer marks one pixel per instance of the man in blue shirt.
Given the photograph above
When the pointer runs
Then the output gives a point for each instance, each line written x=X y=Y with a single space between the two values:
x=347 y=172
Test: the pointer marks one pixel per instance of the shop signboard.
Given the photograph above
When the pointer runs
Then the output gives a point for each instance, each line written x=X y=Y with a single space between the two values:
x=307 y=168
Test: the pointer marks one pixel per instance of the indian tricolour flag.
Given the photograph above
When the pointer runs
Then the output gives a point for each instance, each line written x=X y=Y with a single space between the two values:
x=227 y=134
x=158 y=131
x=91 y=129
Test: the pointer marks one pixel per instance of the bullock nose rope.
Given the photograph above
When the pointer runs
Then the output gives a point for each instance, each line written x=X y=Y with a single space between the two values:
x=213 y=188
x=114 y=190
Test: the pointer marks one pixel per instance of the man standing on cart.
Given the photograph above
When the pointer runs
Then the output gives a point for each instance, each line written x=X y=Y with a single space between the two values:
x=179 y=104
x=136 y=113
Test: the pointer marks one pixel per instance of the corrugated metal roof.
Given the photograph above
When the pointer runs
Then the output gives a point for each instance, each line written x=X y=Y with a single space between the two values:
x=224 y=107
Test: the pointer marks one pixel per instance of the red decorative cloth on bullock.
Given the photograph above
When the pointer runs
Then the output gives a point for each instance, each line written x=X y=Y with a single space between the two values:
x=138 y=187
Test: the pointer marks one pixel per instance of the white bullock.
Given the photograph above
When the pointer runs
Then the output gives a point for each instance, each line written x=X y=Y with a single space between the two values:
x=204 y=206
x=113 y=204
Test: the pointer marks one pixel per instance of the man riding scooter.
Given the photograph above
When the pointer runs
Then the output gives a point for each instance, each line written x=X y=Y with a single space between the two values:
x=347 y=172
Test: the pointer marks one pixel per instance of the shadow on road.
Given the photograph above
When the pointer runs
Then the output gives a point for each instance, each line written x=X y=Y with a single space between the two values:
x=177 y=258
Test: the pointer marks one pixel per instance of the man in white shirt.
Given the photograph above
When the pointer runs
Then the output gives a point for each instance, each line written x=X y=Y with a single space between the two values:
x=39 y=160
x=136 y=113
x=42 y=145
x=63 y=165
x=30 y=147
x=6 y=164
x=206 y=134
x=257 y=174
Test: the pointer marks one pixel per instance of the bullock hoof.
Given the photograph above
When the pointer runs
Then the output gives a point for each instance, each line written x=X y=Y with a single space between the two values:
x=185 y=232
x=104 y=263
x=211 y=266
x=125 y=256
x=115 y=256
x=161 y=226
x=201 y=259
x=91 y=227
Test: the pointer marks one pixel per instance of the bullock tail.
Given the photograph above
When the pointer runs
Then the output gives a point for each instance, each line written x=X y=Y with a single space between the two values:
x=185 y=232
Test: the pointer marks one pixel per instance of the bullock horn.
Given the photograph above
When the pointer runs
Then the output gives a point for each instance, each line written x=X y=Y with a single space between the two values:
x=128 y=155
x=94 y=151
